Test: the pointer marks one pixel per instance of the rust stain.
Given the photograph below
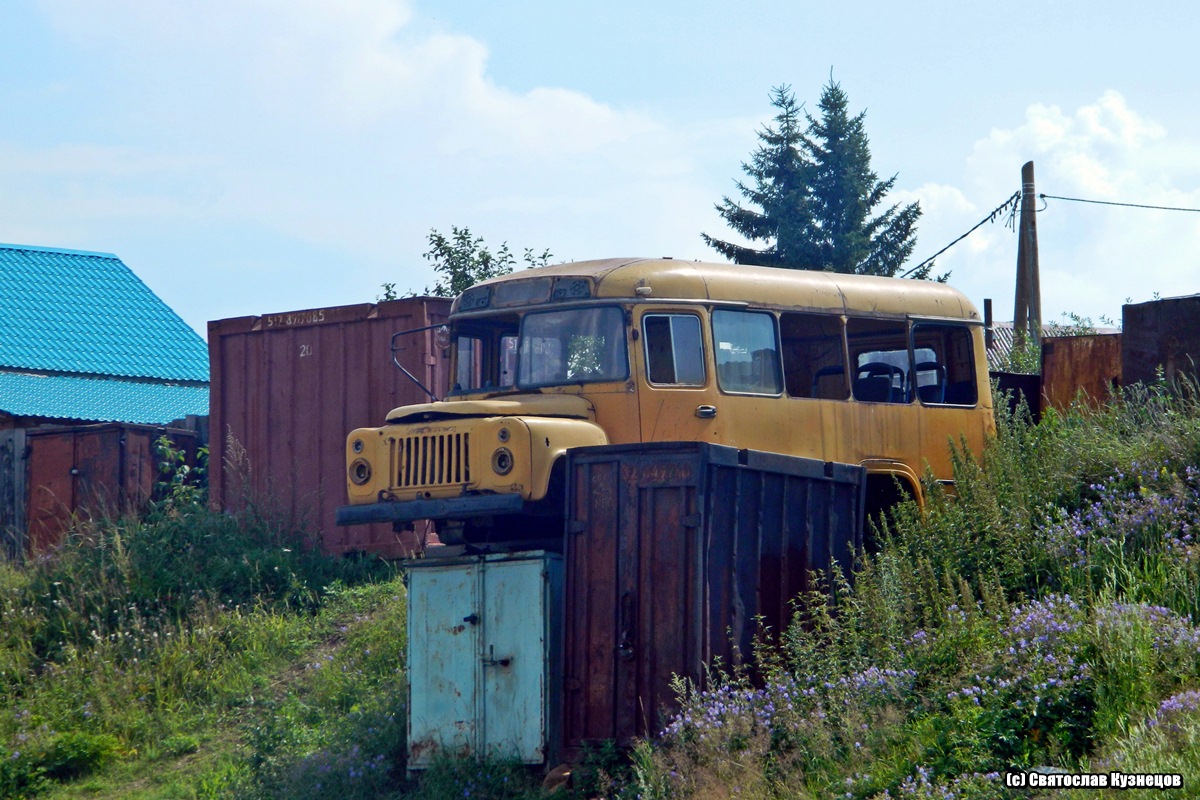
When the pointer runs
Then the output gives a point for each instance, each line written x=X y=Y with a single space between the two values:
x=1080 y=368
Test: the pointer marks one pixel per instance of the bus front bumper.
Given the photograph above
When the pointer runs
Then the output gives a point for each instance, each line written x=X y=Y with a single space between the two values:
x=482 y=505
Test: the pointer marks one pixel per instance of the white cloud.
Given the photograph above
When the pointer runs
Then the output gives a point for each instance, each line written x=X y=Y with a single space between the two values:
x=361 y=69
x=301 y=150
x=351 y=126
x=942 y=209
x=1092 y=257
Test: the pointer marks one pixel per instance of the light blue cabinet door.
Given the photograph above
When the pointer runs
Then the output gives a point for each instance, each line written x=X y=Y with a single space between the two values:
x=514 y=660
x=445 y=622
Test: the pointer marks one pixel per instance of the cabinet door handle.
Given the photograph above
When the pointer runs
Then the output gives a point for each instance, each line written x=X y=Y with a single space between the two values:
x=492 y=661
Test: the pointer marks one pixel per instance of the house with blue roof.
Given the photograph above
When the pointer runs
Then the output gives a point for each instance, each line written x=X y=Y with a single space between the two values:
x=83 y=339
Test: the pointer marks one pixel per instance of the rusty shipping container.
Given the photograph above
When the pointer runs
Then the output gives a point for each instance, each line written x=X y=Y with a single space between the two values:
x=51 y=476
x=287 y=388
x=1160 y=335
x=673 y=551
x=1083 y=367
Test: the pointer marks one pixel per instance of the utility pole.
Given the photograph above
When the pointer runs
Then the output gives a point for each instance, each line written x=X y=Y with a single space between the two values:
x=1027 y=310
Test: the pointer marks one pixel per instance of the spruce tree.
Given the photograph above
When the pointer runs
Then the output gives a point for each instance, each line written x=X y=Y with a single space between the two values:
x=778 y=174
x=815 y=193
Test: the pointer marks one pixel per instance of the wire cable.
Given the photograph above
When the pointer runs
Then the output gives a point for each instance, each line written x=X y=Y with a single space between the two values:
x=1009 y=205
x=1045 y=197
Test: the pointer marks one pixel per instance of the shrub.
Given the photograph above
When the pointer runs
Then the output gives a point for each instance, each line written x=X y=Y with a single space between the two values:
x=75 y=753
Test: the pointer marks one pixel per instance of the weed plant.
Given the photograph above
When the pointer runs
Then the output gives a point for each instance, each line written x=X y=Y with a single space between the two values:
x=338 y=731
x=143 y=644
x=1046 y=616
x=132 y=640
x=1043 y=617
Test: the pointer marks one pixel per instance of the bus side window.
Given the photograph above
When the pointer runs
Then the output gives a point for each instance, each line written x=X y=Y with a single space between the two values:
x=674 y=349
x=813 y=364
x=747 y=352
x=944 y=372
x=879 y=360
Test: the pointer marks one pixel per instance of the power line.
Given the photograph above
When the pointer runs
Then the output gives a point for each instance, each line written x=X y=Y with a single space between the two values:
x=1045 y=197
x=1008 y=205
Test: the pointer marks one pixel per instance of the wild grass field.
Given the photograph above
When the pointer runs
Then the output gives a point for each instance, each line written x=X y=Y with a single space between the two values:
x=1045 y=618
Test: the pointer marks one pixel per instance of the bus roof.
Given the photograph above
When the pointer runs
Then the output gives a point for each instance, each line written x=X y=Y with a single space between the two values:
x=650 y=280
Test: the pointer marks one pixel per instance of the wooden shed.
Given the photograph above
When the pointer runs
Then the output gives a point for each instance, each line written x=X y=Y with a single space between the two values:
x=92 y=366
x=52 y=476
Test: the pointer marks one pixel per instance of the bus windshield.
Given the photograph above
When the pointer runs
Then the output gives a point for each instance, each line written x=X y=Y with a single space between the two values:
x=572 y=346
x=545 y=348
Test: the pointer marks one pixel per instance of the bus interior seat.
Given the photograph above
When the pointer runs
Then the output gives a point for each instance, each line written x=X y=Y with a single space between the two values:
x=734 y=375
x=760 y=375
x=880 y=382
x=765 y=371
x=873 y=389
x=931 y=392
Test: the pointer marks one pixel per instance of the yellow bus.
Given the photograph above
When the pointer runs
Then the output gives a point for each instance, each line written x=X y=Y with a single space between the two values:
x=874 y=371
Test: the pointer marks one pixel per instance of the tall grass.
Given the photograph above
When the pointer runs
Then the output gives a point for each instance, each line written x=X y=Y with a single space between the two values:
x=137 y=636
x=1043 y=617
x=1046 y=616
x=223 y=649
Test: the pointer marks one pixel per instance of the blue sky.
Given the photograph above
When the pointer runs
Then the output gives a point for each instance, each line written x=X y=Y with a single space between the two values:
x=257 y=156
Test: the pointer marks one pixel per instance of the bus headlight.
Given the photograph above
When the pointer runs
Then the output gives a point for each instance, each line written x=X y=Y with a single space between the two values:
x=360 y=471
x=502 y=461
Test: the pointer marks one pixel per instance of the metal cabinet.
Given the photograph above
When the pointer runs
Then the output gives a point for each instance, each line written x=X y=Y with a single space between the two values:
x=676 y=553
x=483 y=644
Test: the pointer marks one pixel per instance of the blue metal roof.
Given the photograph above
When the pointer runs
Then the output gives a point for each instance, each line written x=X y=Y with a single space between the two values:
x=97 y=399
x=69 y=311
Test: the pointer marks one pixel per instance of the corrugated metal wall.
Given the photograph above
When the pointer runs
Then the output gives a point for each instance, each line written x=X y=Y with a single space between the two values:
x=1080 y=366
x=672 y=553
x=286 y=389
x=1162 y=333
x=50 y=475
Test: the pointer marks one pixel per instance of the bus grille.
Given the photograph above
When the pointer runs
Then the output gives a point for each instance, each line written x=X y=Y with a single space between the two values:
x=433 y=460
